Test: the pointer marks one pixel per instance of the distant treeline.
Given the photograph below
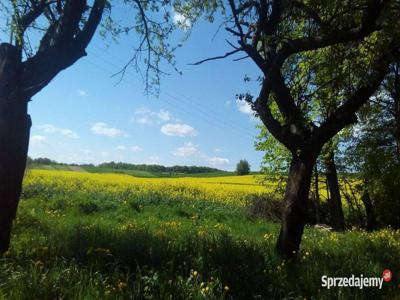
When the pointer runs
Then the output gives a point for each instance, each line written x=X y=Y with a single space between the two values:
x=158 y=168
x=41 y=161
x=127 y=166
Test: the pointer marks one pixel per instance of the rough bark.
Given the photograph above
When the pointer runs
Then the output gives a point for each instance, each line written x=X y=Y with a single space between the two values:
x=335 y=201
x=15 y=126
x=295 y=210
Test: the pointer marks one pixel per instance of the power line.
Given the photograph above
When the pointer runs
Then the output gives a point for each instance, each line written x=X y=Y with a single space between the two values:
x=198 y=110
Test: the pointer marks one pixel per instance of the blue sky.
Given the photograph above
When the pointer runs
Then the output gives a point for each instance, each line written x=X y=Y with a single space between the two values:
x=82 y=116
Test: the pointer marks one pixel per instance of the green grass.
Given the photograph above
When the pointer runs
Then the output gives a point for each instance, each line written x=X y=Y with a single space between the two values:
x=77 y=246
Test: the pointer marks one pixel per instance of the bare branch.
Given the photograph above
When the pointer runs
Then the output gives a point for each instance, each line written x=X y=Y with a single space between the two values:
x=217 y=57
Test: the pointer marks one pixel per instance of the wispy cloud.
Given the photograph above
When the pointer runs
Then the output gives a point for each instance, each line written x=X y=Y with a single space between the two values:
x=217 y=161
x=164 y=115
x=136 y=148
x=121 y=148
x=81 y=93
x=105 y=154
x=37 y=140
x=188 y=149
x=50 y=128
x=181 y=130
x=146 y=116
x=101 y=128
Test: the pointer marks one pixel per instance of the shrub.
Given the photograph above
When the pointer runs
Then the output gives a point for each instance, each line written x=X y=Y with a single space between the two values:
x=265 y=207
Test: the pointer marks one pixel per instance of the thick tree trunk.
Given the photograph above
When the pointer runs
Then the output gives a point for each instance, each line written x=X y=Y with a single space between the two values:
x=14 y=139
x=15 y=126
x=335 y=201
x=295 y=210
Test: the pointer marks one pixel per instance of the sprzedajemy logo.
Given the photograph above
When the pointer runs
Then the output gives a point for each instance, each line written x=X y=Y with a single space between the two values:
x=356 y=281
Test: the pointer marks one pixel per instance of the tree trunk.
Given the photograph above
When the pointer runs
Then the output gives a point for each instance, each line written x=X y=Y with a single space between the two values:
x=295 y=210
x=335 y=201
x=316 y=199
x=15 y=126
x=369 y=209
x=396 y=107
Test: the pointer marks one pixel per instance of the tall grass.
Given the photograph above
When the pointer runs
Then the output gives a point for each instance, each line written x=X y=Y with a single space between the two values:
x=79 y=245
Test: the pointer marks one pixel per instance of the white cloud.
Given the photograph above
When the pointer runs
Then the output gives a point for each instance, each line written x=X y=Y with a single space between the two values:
x=143 y=121
x=181 y=130
x=145 y=116
x=101 y=128
x=181 y=21
x=37 y=140
x=49 y=128
x=82 y=93
x=217 y=161
x=121 y=148
x=217 y=150
x=164 y=115
x=244 y=107
x=136 y=148
x=188 y=149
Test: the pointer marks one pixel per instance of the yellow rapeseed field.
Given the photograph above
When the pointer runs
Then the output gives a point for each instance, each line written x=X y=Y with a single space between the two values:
x=229 y=189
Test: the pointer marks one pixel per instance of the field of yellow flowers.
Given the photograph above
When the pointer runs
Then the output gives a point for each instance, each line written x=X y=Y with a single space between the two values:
x=225 y=190
x=108 y=236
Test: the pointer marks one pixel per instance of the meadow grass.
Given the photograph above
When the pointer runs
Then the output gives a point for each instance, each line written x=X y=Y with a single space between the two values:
x=90 y=236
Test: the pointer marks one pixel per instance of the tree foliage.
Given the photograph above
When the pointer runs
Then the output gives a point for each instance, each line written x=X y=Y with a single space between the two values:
x=243 y=167
x=304 y=50
x=48 y=28
x=374 y=150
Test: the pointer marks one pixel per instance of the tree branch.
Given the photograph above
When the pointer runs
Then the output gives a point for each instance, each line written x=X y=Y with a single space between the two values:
x=368 y=26
x=281 y=133
x=62 y=45
x=216 y=57
x=345 y=114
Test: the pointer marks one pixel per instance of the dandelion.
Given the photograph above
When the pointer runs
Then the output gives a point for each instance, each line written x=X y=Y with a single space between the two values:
x=226 y=288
